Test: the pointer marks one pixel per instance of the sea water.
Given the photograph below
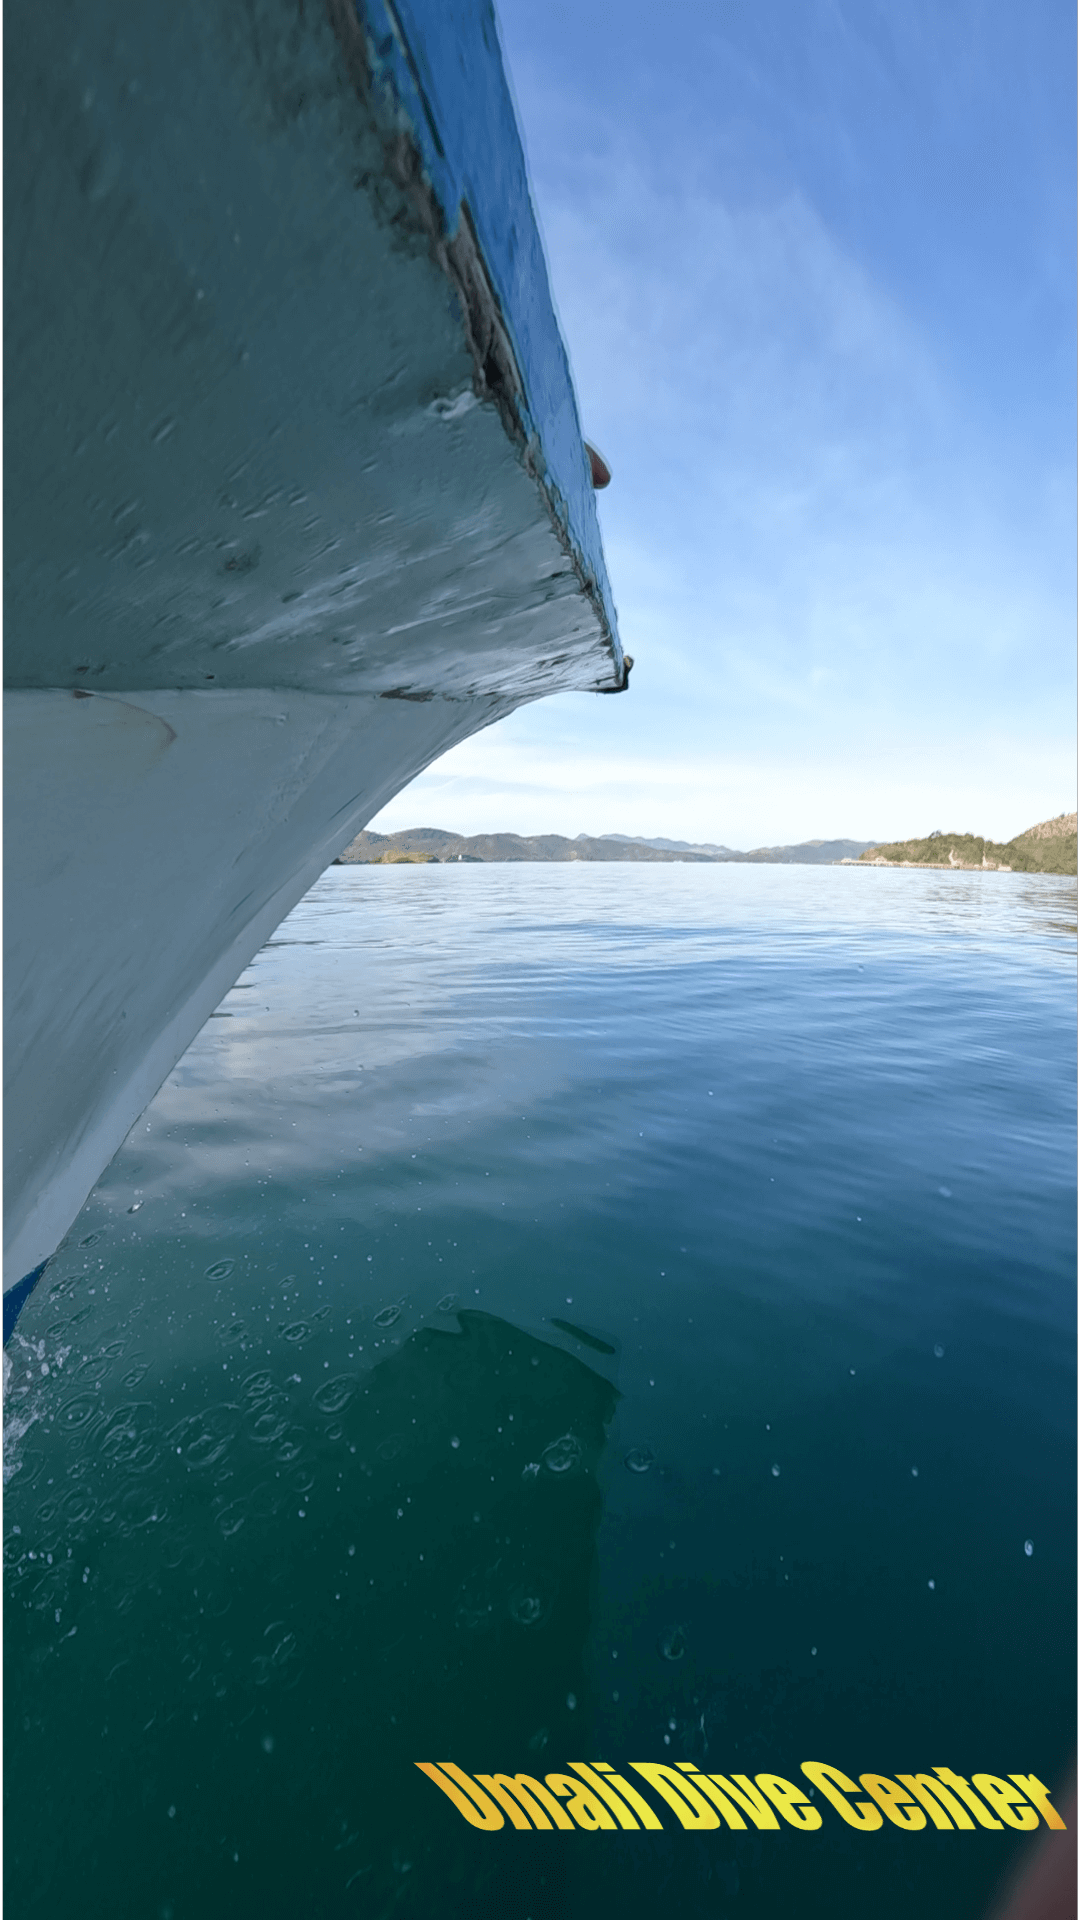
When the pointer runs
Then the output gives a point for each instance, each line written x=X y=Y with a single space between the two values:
x=559 y=1313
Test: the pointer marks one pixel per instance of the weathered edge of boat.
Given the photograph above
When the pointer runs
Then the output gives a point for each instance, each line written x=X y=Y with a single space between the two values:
x=296 y=499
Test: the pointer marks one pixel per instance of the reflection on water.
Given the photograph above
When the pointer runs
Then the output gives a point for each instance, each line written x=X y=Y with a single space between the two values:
x=558 y=1312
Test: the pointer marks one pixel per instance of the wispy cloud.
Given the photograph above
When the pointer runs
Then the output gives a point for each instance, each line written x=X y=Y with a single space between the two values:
x=520 y=781
x=841 y=525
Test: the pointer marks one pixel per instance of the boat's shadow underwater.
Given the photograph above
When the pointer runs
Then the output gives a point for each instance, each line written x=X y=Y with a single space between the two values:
x=291 y=1597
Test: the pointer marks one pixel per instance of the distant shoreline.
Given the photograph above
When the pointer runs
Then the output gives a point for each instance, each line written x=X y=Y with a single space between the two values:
x=434 y=845
x=1049 y=847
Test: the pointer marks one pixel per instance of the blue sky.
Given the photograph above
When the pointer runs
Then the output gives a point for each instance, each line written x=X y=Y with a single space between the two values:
x=815 y=268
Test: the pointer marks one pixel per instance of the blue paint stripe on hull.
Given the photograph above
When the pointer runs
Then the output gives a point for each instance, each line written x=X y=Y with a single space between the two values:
x=17 y=1296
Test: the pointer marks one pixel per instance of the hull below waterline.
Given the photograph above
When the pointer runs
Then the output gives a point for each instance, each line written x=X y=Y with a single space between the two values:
x=161 y=839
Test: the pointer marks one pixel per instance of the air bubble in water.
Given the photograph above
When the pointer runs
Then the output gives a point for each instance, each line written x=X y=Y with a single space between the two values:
x=640 y=1459
x=220 y=1270
x=231 y=1518
x=388 y=1315
x=334 y=1394
x=1029 y=1548
x=673 y=1644
x=447 y=1303
x=77 y=1412
x=562 y=1454
x=267 y=1427
x=939 y=1353
x=526 y=1607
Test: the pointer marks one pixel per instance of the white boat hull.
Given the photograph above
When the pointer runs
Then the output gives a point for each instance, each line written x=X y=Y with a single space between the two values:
x=296 y=499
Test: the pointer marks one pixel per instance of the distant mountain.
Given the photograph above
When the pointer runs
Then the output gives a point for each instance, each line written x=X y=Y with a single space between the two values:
x=422 y=845
x=807 y=853
x=677 y=846
x=1049 y=847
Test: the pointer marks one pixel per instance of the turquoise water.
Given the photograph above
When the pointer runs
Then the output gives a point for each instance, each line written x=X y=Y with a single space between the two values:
x=559 y=1312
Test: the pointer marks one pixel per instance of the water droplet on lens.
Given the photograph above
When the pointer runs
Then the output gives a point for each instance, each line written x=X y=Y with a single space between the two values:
x=640 y=1459
x=220 y=1270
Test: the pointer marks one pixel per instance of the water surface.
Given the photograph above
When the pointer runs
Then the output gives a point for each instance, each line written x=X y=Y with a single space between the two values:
x=557 y=1312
